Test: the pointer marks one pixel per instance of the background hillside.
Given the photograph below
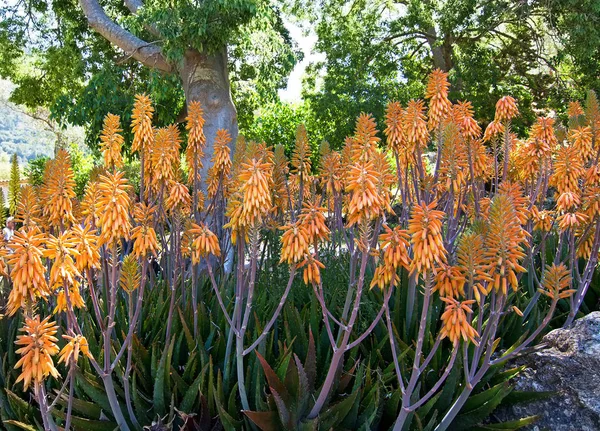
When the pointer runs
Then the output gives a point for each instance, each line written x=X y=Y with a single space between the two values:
x=22 y=133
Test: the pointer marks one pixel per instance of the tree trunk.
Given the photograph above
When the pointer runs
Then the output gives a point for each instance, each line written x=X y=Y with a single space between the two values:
x=442 y=53
x=443 y=57
x=205 y=79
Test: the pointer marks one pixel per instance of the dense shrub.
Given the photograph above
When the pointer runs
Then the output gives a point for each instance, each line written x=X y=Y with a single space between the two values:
x=376 y=290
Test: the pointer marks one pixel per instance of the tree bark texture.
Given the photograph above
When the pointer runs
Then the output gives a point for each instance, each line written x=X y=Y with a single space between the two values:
x=205 y=79
x=204 y=75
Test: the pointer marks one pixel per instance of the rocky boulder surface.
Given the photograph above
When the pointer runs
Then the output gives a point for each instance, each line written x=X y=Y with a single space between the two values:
x=568 y=364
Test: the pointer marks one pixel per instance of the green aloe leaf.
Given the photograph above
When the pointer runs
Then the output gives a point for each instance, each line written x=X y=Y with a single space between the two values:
x=511 y=425
x=272 y=379
x=138 y=403
x=310 y=364
x=266 y=421
x=20 y=425
x=83 y=424
x=229 y=423
x=85 y=408
x=335 y=414
x=194 y=389
x=93 y=390
x=284 y=414
x=160 y=391
x=480 y=406
x=188 y=334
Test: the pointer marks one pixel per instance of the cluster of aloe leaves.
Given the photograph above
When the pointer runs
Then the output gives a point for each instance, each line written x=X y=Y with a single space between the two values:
x=188 y=382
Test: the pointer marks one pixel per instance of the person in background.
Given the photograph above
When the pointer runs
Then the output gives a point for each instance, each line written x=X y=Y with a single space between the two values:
x=9 y=230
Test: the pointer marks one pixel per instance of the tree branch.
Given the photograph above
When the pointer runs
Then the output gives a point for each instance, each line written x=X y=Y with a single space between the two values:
x=134 y=6
x=142 y=51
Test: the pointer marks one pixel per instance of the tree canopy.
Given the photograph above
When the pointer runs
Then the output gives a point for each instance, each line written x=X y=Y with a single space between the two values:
x=81 y=72
x=84 y=58
x=379 y=50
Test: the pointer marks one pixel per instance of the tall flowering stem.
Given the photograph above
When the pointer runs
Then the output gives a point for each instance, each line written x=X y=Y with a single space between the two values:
x=441 y=253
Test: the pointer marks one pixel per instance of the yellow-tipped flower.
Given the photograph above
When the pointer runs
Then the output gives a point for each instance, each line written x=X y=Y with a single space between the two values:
x=365 y=202
x=141 y=123
x=253 y=199
x=543 y=137
x=454 y=162
x=542 y=220
x=89 y=204
x=196 y=140
x=425 y=229
x=60 y=190
x=294 y=243
x=312 y=269
x=568 y=201
x=574 y=110
x=144 y=237
x=467 y=124
x=555 y=282
x=365 y=138
x=455 y=323
x=70 y=353
x=503 y=245
x=469 y=257
x=506 y=109
x=165 y=155
x=385 y=275
x=394 y=127
x=111 y=142
x=437 y=92
x=301 y=154
x=38 y=345
x=205 y=242
x=27 y=271
x=568 y=170
x=581 y=137
x=449 y=281
x=28 y=209
x=179 y=198
x=332 y=173
x=415 y=125
x=394 y=244
x=86 y=243
x=591 y=201
x=313 y=220
x=218 y=174
x=113 y=208
x=61 y=250
x=75 y=298
x=493 y=129
x=130 y=274
x=280 y=173
x=571 y=220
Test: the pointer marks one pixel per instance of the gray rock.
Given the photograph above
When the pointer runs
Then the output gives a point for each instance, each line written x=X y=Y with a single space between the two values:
x=567 y=363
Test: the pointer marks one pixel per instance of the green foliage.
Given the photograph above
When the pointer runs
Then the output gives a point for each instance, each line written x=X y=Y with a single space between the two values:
x=2 y=208
x=276 y=124
x=378 y=50
x=80 y=77
x=14 y=185
x=188 y=379
x=575 y=23
x=34 y=171
x=111 y=89
x=208 y=27
x=82 y=164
